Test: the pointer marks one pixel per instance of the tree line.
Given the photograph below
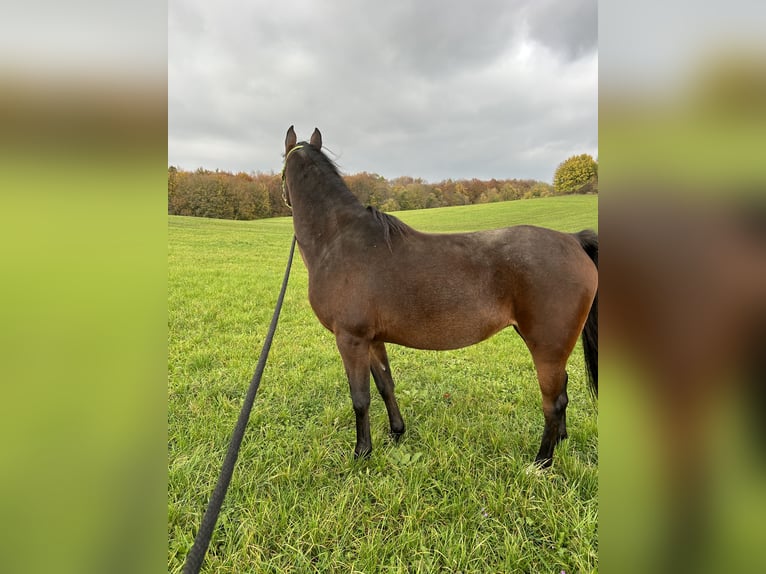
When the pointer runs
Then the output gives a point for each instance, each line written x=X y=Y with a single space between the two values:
x=224 y=195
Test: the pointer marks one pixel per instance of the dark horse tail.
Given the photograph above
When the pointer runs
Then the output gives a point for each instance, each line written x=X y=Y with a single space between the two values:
x=589 y=242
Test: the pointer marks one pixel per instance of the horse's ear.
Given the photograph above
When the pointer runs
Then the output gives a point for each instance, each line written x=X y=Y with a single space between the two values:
x=316 y=139
x=290 y=140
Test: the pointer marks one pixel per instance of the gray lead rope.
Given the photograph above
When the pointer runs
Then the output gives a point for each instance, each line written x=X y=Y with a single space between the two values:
x=202 y=540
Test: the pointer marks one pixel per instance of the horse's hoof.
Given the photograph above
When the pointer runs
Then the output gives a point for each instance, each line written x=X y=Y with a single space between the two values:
x=396 y=435
x=362 y=455
x=543 y=462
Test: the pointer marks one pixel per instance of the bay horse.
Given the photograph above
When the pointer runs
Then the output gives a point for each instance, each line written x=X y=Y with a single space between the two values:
x=374 y=280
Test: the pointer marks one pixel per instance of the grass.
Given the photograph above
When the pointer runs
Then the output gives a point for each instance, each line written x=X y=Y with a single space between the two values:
x=457 y=494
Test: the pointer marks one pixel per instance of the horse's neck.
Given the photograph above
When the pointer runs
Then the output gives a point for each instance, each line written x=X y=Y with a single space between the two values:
x=319 y=219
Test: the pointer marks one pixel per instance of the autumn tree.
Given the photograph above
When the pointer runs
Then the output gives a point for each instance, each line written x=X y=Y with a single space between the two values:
x=174 y=201
x=578 y=174
x=225 y=195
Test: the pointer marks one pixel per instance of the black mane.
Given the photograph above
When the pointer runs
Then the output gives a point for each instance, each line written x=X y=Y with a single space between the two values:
x=321 y=161
x=390 y=224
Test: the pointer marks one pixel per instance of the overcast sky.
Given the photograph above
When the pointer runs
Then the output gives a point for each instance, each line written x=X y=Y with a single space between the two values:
x=431 y=89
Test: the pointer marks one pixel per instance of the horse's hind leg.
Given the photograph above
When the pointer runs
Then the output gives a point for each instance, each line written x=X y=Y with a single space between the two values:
x=552 y=377
x=551 y=339
x=381 y=373
x=355 y=353
x=563 y=398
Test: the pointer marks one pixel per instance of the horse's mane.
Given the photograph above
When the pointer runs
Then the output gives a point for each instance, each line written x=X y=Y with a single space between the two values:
x=323 y=163
x=390 y=224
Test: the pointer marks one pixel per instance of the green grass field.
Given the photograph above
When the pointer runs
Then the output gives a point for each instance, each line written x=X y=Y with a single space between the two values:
x=457 y=494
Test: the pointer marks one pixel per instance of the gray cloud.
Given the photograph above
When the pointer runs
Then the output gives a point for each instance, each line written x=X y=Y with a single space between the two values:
x=491 y=89
x=570 y=28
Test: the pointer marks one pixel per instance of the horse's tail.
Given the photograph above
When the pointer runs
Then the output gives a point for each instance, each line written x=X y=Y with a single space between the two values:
x=589 y=242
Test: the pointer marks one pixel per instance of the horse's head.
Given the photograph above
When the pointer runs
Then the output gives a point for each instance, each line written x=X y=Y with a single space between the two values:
x=291 y=144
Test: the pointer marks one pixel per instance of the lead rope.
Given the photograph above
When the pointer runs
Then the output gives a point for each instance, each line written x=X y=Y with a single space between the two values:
x=202 y=540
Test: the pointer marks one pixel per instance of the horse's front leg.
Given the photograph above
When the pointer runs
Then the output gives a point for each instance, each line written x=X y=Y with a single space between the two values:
x=355 y=352
x=381 y=373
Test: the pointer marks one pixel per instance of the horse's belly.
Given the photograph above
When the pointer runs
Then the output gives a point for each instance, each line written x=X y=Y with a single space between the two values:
x=441 y=315
x=444 y=333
